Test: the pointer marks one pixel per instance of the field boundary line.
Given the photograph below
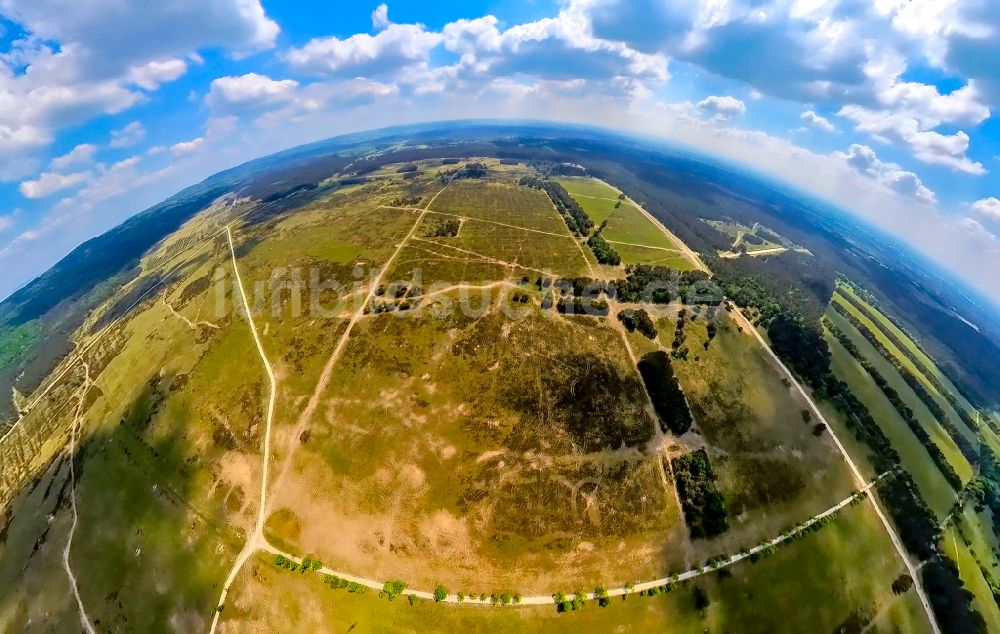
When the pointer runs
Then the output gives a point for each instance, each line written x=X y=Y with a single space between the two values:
x=645 y=246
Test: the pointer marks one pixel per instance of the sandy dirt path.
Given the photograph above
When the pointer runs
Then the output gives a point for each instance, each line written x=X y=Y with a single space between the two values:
x=73 y=433
x=256 y=537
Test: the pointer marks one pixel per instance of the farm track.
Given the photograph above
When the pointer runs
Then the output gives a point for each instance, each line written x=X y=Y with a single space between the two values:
x=193 y=325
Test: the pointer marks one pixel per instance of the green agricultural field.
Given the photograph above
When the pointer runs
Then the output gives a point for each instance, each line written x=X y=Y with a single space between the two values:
x=596 y=197
x=928 y=369
x=636 y=238
x=908 y=364
x=978 y=531
x=936 y=491
x=538 y=252
x=953 y=545
x=886 y=324
x=500 y=202
x=629 y=225
x=920 y=411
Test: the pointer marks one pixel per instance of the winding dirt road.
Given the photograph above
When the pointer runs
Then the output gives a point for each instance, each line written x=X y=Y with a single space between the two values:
x=256 y=537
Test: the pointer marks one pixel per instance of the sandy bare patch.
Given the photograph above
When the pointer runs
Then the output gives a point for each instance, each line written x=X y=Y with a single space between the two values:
x=413 y=475
x=189 y=621
x=448 y=535
x=239 y=473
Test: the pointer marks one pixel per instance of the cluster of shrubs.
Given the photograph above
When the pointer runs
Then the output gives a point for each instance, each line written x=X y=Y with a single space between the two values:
x=656 y=590
x=583 y=306
x=338 y=583
x=308 y=564
x=703 y=504
x=713 y=329
x=473 y=170
x=503 y=598
x=566 y=604
x=406 y=201
x=540 y=282
x=393 y=588
x=603 y=251
x=377 y=307
x=442 y=228
x=638 y=319
x=677 y=348
x=584 y=286
x=662 y=285
x=578 y=599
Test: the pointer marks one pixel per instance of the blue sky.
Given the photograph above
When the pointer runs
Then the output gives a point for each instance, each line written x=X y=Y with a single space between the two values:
x=884 y=108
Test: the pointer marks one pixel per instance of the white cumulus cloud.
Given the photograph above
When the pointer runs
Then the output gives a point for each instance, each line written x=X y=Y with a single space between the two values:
x=723 y=107
x=987 y=207
x=49 y=183
x=187 y=147
x=250 y=90
x=150 y=75
x=394 y=47
x=929 y=146
x=80 y=155
x=863 y=159
x=128 y=136
x=380 y=17
x=814 y=120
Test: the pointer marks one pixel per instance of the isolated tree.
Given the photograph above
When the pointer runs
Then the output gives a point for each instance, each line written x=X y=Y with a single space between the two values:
x=601 y=593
